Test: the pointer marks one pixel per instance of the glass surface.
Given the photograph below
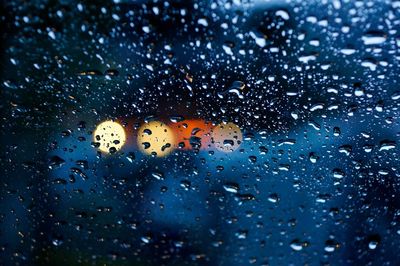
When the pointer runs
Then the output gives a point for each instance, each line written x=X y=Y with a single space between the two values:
x=200 y=132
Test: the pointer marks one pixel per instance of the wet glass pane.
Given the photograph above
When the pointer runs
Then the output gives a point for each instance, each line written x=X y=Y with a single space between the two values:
x=205 y=132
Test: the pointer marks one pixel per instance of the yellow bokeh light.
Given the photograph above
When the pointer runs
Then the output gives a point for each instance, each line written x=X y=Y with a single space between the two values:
x=227 y=137
x=156 y=138
x=110 y=136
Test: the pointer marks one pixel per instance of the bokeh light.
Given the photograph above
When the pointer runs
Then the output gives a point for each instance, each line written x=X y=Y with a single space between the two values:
x=227 y=137
x=192 y=133
x=156 y=138
x=109 y=136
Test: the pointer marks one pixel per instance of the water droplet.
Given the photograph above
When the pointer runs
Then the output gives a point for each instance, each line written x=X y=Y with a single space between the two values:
x=373 y=37
x=231 y=187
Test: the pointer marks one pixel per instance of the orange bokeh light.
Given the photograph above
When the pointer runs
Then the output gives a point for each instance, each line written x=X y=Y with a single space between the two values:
x=193 y=131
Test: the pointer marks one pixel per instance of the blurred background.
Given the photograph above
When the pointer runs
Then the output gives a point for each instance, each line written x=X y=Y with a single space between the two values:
x=312 y=85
